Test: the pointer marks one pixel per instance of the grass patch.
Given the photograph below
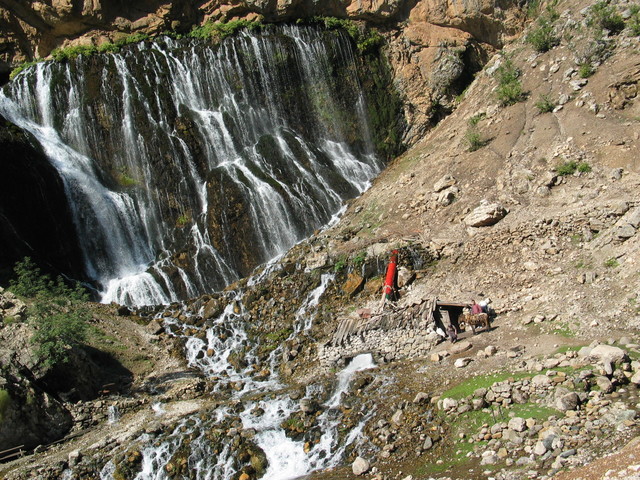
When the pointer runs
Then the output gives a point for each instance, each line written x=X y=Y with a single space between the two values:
x=568 y=348
x=563 y=329
x=612 y=263
x=22 y=67
x=484 y=381
x=279 y=336
x=455 y=456
x=370 y=217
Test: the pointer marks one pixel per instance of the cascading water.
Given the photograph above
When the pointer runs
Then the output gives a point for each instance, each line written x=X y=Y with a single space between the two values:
x=249 y=431
x=187 y=164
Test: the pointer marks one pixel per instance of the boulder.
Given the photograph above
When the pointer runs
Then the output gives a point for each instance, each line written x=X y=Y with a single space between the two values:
x=360 y=466
x=518 y=424
x=462 y=362
x=353 y=285
x=460 y=347
x=485 y=215
x=449 y=403
x=569 y=401
x=541 y=381
x=445 y=182
x=421 y=397
x=608 y=353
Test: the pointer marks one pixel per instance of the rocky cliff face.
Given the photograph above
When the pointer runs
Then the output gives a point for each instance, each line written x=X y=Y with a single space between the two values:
x=30 y=184
x=434 y=46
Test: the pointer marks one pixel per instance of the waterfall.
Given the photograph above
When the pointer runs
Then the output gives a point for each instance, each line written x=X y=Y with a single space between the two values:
x=187 y=164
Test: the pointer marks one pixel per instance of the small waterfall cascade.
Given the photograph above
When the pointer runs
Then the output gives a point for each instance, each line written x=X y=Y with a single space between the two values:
x=113 y=414
x=251 y=430
x=212 y=444
x=224 y=351
x=187 y=164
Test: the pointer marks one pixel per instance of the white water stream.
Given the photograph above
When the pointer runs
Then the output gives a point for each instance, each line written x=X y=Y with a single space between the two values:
x=288 y=457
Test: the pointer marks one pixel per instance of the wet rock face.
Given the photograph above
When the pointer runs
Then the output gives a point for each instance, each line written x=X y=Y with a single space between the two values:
x=34 y=215
x=28 y=415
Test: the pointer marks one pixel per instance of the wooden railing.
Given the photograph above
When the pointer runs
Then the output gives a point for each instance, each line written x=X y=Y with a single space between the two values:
x=12 y=453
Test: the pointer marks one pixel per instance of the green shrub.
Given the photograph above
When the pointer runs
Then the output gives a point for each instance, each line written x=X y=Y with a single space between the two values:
x=544 y=104
x=474 y=139
x=366 y=39
x=606 y=16
x=584 y=167
x=30 y=281
x=634 y=20
x=509 y=89
x=222 y=30
x=58 y=312
x=109 y=47
x=585 y=70
x=5 y=400
x=542 y=38
x=360 y=258
x=566 y=168
x=612 y=263
x=69 y=53
x=340 y=265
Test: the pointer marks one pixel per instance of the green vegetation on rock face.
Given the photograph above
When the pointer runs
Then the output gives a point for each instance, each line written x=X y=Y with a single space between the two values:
x=542 y=37
x=605 y=16
x=57 y=314
x=634 y=20
x=5 y=399
x=545 y=104
x=509 y=89
x=222 y=30
x=368 y=40
x=571 y=166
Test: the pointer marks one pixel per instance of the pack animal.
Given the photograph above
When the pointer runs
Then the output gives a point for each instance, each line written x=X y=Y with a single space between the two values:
x=474 y=320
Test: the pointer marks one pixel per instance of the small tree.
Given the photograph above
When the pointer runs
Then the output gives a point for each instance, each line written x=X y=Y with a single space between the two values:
x=58 y=313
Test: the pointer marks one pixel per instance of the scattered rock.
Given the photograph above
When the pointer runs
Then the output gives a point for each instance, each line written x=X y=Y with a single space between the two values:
x=360 y=466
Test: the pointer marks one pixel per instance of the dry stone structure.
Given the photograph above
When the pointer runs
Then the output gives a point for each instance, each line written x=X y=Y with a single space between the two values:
x=395 y=333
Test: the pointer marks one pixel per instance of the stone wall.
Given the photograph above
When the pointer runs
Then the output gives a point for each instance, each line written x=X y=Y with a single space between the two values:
x=385 y=345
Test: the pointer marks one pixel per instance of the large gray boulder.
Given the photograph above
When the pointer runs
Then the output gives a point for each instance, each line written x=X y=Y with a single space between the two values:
x=608 y=353
x=485 y=215
x=360 y=466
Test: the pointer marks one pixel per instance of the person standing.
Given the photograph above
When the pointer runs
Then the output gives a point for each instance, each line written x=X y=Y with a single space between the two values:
x=475 y=308
x=452 y=332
